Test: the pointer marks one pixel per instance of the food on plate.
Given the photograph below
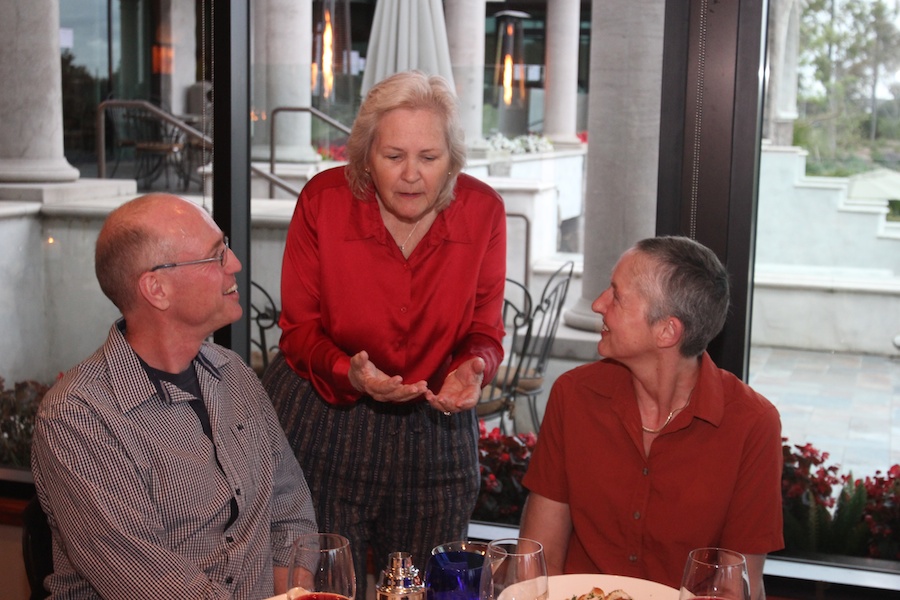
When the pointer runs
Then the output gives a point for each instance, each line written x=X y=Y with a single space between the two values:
x=598 y=594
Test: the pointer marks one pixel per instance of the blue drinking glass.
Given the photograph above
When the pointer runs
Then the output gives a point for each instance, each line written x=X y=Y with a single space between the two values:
x=453 y=571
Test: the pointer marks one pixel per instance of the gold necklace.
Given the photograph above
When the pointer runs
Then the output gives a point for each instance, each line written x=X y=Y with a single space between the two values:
x=412 y=231
x=669 y=418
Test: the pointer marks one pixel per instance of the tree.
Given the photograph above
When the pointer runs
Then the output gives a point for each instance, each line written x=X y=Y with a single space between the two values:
x=846 y=46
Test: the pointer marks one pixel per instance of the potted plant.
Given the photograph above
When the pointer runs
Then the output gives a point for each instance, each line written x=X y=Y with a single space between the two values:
x=17 y=409
x=504 y=460
x=860 y=519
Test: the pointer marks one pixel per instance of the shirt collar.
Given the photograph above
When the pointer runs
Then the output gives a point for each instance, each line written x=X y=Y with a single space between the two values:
x=707 y=399
x=130 y=383
x=452 y=224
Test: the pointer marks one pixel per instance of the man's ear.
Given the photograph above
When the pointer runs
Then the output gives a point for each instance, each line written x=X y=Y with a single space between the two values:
x=154 y=290
x=670 y=332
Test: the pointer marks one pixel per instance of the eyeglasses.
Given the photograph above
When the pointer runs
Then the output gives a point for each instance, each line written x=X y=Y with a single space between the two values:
x=221 y=258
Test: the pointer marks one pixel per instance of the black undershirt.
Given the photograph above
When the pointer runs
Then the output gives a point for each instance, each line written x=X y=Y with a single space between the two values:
x=187 y=382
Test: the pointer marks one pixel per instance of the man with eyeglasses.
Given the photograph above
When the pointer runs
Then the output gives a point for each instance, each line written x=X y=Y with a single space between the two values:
x=159 y=461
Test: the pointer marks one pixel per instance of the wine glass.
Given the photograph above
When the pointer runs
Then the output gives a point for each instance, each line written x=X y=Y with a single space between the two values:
x=514 y=569
x=453 y=571
x=321 y=568
x=715 y=574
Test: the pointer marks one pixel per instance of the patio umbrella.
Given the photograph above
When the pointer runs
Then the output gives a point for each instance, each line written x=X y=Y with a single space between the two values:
x=407 y=34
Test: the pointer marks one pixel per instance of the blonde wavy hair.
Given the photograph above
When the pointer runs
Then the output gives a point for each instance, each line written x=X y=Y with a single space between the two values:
x=412 y=90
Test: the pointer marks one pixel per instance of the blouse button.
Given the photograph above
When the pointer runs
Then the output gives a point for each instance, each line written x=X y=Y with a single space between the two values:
x=632 y=558
x=646 y=471
x=403 y=310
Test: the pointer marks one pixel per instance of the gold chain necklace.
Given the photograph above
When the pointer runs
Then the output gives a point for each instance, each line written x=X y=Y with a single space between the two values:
x=403 y=245
x=669 y=418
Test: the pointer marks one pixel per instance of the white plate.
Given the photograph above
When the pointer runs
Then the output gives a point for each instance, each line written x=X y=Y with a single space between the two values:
x=563 y=587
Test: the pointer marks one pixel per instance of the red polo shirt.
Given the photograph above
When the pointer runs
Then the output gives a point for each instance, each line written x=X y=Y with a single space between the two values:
x=346 y=287
x=713 y=476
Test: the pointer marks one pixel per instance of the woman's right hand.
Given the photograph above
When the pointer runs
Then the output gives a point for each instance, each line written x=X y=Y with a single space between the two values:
x=365 y=377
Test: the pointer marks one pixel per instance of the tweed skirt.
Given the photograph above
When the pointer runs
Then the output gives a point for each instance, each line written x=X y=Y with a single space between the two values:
x=390 y=477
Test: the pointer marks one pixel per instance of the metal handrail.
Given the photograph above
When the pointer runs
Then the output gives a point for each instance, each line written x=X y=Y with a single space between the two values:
x=274 y=179
x=143 y=105
x=272 y=129
x=178 y=124
x=527 y=278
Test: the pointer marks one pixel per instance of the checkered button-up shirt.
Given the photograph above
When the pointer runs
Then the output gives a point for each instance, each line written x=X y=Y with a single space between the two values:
x=135 y=495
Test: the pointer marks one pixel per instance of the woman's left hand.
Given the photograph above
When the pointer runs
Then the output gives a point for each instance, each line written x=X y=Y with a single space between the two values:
x=461 y=389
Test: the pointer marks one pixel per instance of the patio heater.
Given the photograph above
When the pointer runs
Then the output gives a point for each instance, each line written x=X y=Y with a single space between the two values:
x=509 y=74
x=331 y=51
x=331 y=73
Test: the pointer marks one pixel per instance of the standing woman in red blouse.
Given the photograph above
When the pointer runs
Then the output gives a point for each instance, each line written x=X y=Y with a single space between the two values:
x=392 y=291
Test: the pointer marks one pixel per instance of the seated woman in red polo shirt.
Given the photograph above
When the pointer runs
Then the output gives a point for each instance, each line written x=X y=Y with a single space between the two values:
x=654 y=451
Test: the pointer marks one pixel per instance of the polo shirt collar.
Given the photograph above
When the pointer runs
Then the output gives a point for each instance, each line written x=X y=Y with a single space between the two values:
x=707 y=399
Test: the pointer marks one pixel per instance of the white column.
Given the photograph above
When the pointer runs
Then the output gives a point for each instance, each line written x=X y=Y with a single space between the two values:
x=561 y=77
x=623 y=140
x=31 y=134
x=465 y=35
x=782 y=57
x=286 y=28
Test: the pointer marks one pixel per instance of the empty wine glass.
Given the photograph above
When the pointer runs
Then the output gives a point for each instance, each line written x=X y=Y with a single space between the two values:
x=514 y=569
x=321 y=568
x=715 y=574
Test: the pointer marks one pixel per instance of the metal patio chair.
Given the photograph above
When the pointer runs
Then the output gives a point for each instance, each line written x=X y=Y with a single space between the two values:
x=544 y=325
x=499 y=397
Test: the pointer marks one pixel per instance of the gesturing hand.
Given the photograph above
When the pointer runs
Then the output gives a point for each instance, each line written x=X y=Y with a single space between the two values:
x=365 y=377
x=461 y=389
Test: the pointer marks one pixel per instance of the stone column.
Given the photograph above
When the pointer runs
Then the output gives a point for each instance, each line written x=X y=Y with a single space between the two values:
x=465 y=35
x=625 y=83
x=282 y=57
x=561 y=80
x=783 y=56
x=31 y=136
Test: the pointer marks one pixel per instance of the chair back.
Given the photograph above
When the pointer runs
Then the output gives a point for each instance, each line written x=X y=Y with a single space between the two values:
x=498 y=397
x=265 y=314
x=545 y=320
x=544 y=325
x=37 y=548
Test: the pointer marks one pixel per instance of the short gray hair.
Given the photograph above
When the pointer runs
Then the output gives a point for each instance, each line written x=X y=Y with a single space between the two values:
x=689 y=283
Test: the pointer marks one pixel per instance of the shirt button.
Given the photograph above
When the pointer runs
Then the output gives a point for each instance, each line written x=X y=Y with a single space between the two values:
x=633 y=558
x=646 y=471
x=403 y=310
x=229 y=580
x=229 y=539
x=637 y=514
x=237 y=492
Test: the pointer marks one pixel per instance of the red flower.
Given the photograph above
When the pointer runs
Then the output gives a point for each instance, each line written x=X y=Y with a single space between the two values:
x=808 y=486
x=504 y=460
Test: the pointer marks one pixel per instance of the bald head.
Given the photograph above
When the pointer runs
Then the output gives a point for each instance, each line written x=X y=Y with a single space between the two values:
x=138 y=235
